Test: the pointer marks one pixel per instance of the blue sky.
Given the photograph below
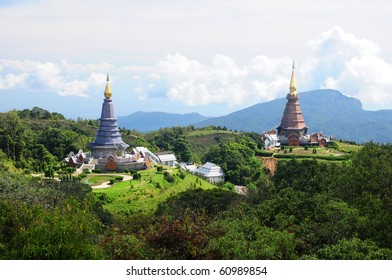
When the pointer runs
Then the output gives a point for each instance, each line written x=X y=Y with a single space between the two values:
x=211 y=57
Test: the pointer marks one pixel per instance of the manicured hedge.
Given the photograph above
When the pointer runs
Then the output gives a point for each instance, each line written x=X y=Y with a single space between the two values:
x=310 y=157
x=264 y=153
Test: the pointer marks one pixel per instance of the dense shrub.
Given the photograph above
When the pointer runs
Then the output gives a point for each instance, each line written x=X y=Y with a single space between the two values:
x=119 y=178
x=170 y=178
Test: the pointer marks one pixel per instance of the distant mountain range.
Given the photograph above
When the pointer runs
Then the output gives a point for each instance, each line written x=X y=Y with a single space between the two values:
x=145 y=122
x=324 y=110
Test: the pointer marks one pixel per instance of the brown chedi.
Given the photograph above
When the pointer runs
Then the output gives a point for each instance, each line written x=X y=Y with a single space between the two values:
x=292 y=129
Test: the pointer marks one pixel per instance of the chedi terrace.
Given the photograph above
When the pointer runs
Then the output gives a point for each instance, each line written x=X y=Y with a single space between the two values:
x=292 y=130
x=108 y=150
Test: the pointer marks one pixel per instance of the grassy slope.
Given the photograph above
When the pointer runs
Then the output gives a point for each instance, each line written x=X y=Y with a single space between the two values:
x=348 y=148
x=143 y=196
x=201 y=140
x=340 y=149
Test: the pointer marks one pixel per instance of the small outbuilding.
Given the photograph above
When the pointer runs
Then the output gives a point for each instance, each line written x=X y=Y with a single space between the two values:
x=167 y=158
x=211 y=173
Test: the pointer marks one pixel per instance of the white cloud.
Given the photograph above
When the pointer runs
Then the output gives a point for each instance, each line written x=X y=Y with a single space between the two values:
x=338 y=43
x=63 y=78
x=12 y=80
x=336 y=59
x=344 y=62
x=221 y=82
x=367 y=78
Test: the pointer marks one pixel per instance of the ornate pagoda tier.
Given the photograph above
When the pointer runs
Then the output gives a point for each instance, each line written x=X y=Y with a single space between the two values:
x=292 y=129
x=108 y=139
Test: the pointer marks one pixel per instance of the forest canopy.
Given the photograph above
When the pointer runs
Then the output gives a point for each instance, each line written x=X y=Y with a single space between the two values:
x=308 y=209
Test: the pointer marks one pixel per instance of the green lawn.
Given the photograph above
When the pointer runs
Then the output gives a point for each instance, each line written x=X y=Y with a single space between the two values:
x=320 y=151
x=348 y=148
x=143 y=196
x=95 y=180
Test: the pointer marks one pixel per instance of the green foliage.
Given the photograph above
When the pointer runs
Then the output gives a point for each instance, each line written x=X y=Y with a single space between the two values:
x=264 y=153
x=70 y=170
x=136 y=175
x=315 y=209
x=313 y=156
x=202 y=139
x=31 y=138
x=236 y=159
x=229 y=186
x=146 y=193
x=119 y=246
x=48 y=220
x=210 y=202
x=172 y=139
x=39 y=114
x=12 y=135
x=355 y=249
x=181 y=174
x=182 y=239
x=248 y=240
x=119 y=178
x=182 y=149
x=169 y=177
x=59 y=234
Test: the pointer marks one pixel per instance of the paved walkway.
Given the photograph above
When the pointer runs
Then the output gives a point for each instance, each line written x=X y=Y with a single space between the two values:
x=107 y=183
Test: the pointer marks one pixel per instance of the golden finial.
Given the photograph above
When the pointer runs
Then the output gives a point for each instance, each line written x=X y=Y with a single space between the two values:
x=293 y=84
x=108 y=92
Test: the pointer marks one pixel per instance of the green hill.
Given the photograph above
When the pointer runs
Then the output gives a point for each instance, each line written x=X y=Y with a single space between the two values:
x=201 y=140
x=149 y=121
x=144 y=195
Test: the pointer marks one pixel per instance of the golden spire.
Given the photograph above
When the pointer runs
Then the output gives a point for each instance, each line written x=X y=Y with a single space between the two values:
x=108 y=91
x=293 y=84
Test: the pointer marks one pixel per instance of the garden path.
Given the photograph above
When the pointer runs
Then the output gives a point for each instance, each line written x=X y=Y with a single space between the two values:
x=107 y=183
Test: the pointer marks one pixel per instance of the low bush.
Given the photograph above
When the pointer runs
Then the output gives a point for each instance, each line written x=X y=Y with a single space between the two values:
x=264 y=153
x=119 y=178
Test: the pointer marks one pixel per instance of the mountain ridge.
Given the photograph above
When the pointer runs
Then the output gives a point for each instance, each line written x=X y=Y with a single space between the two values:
x=149 y=121
x=324 y=110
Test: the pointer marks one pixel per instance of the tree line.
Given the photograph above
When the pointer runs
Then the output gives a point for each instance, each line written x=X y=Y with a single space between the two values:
x=308 y=210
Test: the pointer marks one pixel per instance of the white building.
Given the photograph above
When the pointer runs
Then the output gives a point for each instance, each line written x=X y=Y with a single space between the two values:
x=167 y=158
x=211 y=173
x=188 y=167
x=271 y=141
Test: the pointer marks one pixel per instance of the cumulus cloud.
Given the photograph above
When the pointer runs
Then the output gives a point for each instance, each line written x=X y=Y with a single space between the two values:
x=336 y=59
x=221 y=82
x=344 y=62
x=12 y=80
x=63 y=78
